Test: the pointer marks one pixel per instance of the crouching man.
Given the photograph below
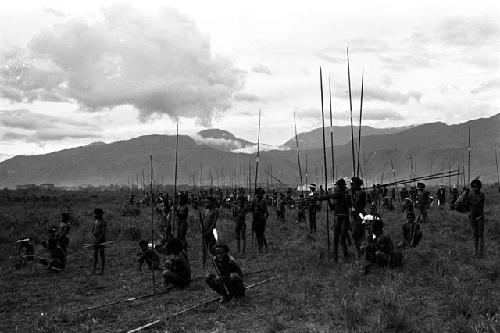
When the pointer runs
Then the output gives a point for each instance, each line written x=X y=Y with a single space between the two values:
x=229 y=279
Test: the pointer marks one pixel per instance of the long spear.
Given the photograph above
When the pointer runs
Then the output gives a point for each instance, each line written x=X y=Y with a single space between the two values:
x=257 y=158
x=468 y=179
x=397 y=190
x=175 y=173
x=152 y=217
x=360 y=117
x=306 y=169
x=498 y=174
x=324 y=157
x=298 y=154
x=350 y=105
x=331 y=131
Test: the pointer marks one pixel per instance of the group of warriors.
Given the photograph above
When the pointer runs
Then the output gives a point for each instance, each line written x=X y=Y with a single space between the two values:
x=357 y=221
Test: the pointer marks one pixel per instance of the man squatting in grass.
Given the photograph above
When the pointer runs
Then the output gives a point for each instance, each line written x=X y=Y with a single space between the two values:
x=148 y=256
x=379 y=248
x=177 y=271
x=57 y=254
x=63 y=231
x=229 y=279
x=99 y=234
x=476 y=216
x=412 y=234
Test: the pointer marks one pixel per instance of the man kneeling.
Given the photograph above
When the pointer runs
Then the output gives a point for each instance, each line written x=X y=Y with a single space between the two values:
x=379 y=248
x=177 y=271
x=229 y=279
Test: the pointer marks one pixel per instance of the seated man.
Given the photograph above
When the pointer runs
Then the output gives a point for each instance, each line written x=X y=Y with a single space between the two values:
x=57 y=259
x=411 y=232
x=379 y=248
x=148 y=255
x=177 y=271
x=229 y=279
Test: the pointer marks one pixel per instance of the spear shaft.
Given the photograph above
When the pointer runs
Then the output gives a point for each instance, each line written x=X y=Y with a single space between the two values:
x=350 y=106
x=152 y=217
x=331 y=131
x=324 y=157
x=468 y=169
x=360 y=118
x=298 y=154
x=257 y=159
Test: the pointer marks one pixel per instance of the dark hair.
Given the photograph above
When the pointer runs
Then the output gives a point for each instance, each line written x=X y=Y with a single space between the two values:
x=222 y=246
x=65 y=217
x=143 y=243
x=174 y=246
x=476 y=183
x=98 y=212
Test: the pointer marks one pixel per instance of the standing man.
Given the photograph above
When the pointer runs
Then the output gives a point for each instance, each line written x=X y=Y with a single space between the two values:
x=210 y=222
x=99 y=233
x=63 y=231
x=341 y=205
x=441 y=195
x=358 y=196
x=476 y=202
x=453 y=196
x=423 y=202
x=312 y=207
x=182 y=216
x=239 y=213
x=259 y=215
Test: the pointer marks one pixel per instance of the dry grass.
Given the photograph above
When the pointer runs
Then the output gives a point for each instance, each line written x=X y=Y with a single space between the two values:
x=439 y=289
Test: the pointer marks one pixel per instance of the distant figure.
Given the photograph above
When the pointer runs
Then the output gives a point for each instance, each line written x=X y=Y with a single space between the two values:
x=63 y=231
x=131 y=198
x=99 y=234
x=210 y=222
x=228 y=280
x=57 y=254
x=239 y=213
x=404 y=193
x=301 y=209
x=148 y=255
x=412 y=234
x=476 y=201
x=453 y=196
x=177 y=271
x=441 y=196
x=182 y=216
x=259 y=218
x=423 y=202
x=312 y=207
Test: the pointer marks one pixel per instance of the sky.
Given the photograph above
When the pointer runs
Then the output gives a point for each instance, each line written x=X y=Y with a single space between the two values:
x=72 y=73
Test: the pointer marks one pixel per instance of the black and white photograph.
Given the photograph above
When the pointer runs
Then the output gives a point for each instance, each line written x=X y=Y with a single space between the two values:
x=249 y=166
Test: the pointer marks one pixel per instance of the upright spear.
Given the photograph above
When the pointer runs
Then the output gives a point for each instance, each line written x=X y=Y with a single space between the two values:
x=350 y=105
x=175 y=172
x=152 y=216
x=298 y=154
x=331 y=131
x=257 y=158
x=498 y=174
x=468 y=179
x=360 y=117
x=306 y=171
x=395 y=180
x=324 y=157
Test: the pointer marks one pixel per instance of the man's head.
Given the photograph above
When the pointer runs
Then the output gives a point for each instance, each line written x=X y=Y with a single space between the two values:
x=65 y=217
x=312 y=187
x=420 y=186
x=475 y=185
x=210 y=203
x=259 y=193
x=373 y=208
x=143 y=245
x=220 y=251
x=341 y=183
x=98 y=213
x=356 y=182
x=183 y=198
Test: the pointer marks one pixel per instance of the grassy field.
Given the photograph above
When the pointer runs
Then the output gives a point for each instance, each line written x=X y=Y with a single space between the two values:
x=439 y=288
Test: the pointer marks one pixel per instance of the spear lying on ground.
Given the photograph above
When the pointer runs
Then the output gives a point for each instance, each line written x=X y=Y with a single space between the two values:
x=198 y=305
x=166 y=291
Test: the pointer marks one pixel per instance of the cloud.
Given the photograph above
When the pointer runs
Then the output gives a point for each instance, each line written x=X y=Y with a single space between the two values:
x=158 y=64
x=392 y=96
x=470 y=31
x=54 y=12
x=486 y=86
x=27 y=120
x=45 y=135
x=262 y=69
x=250 y=98
x=381 y=114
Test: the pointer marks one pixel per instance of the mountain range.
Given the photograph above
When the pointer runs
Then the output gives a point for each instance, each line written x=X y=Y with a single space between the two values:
x=212 y=154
